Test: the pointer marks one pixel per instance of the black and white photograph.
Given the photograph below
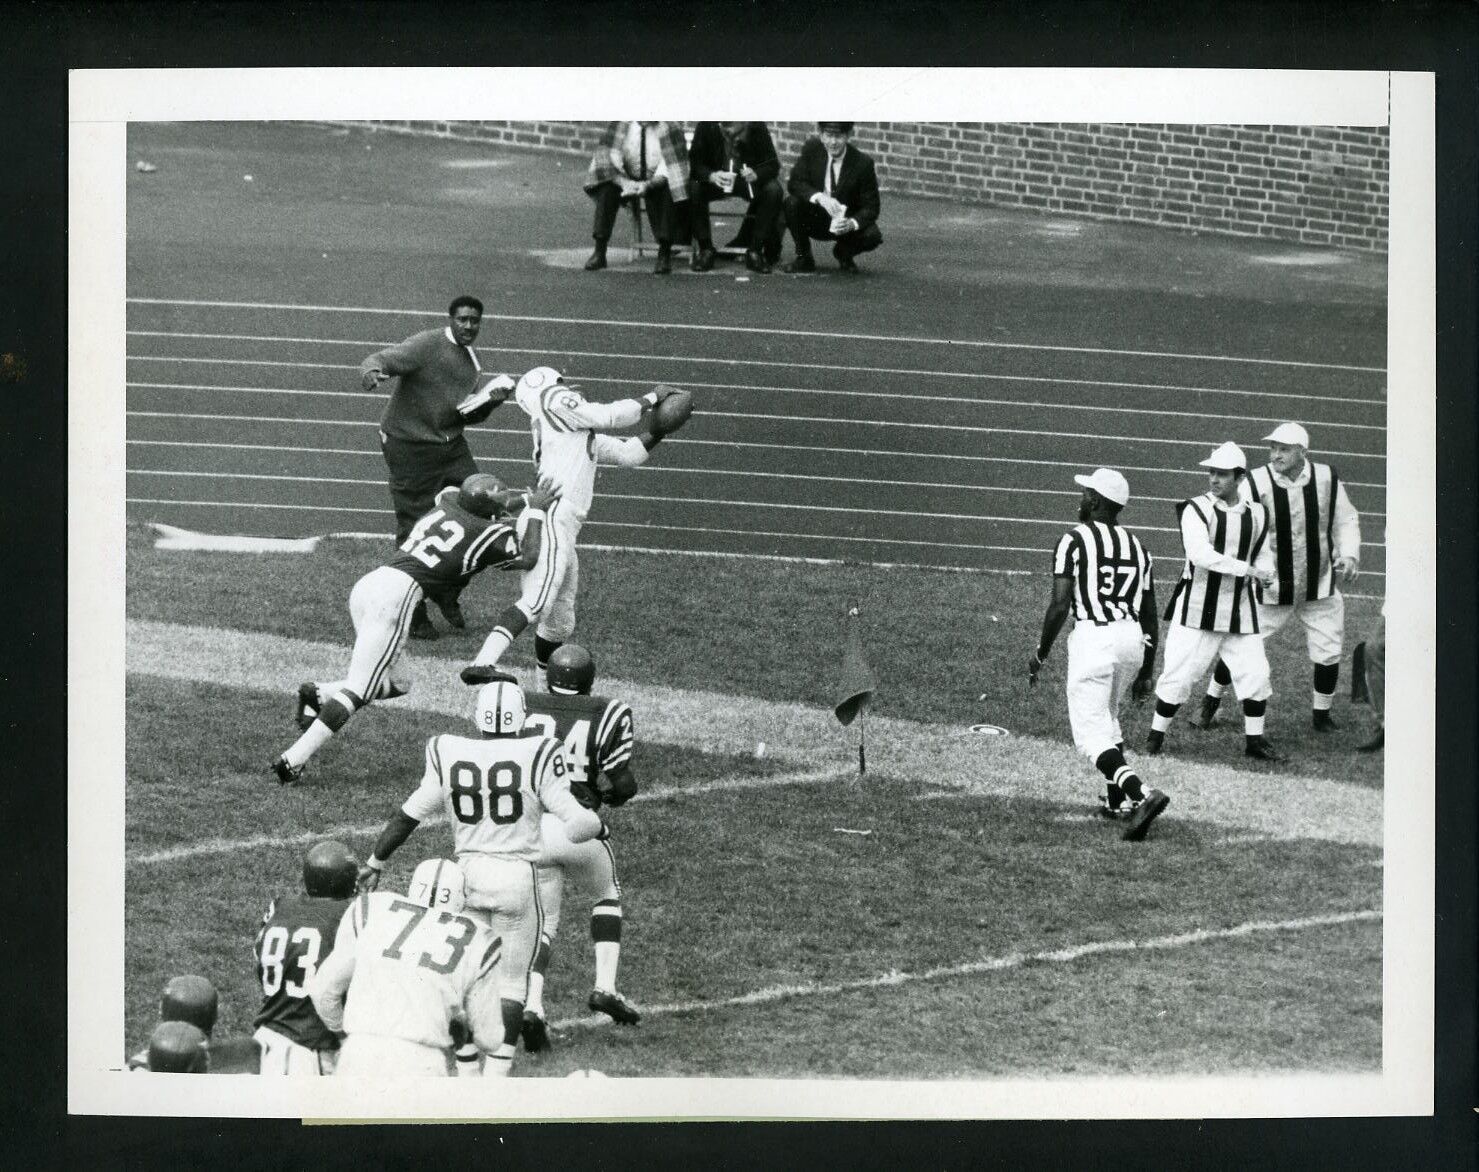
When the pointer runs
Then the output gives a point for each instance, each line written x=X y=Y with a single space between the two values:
x=788 y=618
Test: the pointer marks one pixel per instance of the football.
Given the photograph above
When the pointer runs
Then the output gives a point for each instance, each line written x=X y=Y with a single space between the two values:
x=673 y=412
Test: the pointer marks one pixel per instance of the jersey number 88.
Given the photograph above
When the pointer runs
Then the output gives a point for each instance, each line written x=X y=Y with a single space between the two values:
x=495 y=797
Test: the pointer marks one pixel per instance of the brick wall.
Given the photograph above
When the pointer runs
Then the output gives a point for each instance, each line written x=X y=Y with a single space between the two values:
x=1322 y=185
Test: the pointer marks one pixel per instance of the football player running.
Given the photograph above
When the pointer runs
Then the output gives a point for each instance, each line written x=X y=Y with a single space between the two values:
x=466 y=532
x=494 y=789
x=597 y=737
x=567 y=448
x=297 y=935
x=406 y=972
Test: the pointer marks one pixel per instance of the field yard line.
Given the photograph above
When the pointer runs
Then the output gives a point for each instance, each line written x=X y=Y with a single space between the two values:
x=1011 y=767
x=768 y=330
x=993 y=964
x=834 y=367
x=662 y=793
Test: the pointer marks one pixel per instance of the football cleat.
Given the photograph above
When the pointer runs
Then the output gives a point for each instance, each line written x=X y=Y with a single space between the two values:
x=307 y=709
x=614 y=1006
x=1206 y=717
x=535 y=1032
x=475 y=675
x=1260 y=749
x=1378 y=741
x=1146 y=812
x=1118 y=813
x=421 y=627
x=287 y=774
x=1322 y=722
x=1154 y=740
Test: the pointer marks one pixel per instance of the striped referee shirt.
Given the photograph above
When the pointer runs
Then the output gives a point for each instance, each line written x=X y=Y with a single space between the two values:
x=1224 y=544
x=1314 y=522
x=1109 y=568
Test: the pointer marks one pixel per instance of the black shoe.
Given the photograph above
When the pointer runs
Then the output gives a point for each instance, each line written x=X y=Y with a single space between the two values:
x=1153 y=742
x=287 y=774
x=1377 y=742
x=421 y=627
x=755 y=262
x=534 y=1032
x=846 y=263
x=477 y=674
x=597 y=259
x=702 y=259
x=1321 y=722
x=802 y=264
x=307 y=709
x=1206 y=717
x=1259 y=748
x=1146 y=812
x=452 y=611
x=614 y=1006
x=664 y=263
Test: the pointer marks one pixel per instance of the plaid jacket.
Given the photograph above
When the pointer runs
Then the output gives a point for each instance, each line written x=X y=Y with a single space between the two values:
x=674 y=157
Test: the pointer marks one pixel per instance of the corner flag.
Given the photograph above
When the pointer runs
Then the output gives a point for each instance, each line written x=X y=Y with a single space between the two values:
x=856 y=684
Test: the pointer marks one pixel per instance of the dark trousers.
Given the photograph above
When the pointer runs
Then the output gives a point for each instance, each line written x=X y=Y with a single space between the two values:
x=808 y=222
x=762 y=227
x=660 y=212
x=418 y=471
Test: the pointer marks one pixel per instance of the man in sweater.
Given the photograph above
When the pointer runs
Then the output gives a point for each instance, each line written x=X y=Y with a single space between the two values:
x=442 y=388
x=639 y=160
x=833 y=195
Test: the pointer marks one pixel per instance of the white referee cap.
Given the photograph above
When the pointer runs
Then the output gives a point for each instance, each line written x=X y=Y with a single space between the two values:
x=1226 y=458
x=1107 y=483
x=1289 y=433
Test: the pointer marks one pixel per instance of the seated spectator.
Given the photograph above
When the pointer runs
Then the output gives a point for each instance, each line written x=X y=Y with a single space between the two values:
x=646 y=160
x=736 y=160
x=191 y=1003
x=833 y=195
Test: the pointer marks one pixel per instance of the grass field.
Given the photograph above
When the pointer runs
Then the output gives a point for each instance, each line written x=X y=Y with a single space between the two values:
x=984 y=927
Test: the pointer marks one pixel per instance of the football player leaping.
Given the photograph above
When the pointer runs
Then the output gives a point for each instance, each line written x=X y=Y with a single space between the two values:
x=465 y=533
x=597 y=737
x=494 y=788
x=567 y=448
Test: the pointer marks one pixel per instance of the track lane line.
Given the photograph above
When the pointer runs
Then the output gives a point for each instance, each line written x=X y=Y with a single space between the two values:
x=892 y=339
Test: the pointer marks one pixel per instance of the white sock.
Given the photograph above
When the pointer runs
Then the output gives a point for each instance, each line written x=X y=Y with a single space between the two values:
x=309 y=743
x=497 y=642
x=1323 y=701
x=1214 y=689
x=608 y=955
x=1253 y=726
x=499 y=1063
x=534 y=1002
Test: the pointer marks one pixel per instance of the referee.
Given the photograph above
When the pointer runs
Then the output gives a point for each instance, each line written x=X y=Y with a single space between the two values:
x=421 y=438
x=1103 y=574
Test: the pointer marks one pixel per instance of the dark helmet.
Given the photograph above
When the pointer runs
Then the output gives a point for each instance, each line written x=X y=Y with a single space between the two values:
x=571 y=670
x=480 y=493
x=330 y=869
x=177 y=1047
x=191 y=999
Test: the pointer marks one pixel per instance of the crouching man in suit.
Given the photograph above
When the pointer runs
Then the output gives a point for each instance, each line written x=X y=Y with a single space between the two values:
x=832 y=195
x=736 y=160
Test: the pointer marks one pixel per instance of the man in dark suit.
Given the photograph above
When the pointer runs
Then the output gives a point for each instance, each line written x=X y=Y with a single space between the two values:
x=833 y=195
x=736 y=159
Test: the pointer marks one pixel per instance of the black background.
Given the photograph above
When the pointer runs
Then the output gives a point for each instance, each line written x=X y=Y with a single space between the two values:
x=42 y=41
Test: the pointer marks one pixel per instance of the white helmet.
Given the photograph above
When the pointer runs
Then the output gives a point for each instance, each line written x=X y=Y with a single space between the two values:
x=538 y=380
x=438 y=884
x=499 y=709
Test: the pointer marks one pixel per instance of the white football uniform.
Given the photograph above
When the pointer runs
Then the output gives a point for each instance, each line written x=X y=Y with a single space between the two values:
x=494 y=790
x=567 y=449
x=399 y=976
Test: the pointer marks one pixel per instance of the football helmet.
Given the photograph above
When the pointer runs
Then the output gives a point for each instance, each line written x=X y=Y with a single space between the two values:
x=190 y=999
x=499 y=709
x=481 y=495
x=571 y=671
x=538 y=380
x=438 y=884
x=177 y=1047
x=329 y=869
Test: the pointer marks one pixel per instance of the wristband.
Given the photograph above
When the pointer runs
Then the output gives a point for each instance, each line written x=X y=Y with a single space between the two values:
x=1041 y=656
x=375 y=864
x=650 y=398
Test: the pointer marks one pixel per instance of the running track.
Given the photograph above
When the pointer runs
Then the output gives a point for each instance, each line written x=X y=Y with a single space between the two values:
x=821 y=433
